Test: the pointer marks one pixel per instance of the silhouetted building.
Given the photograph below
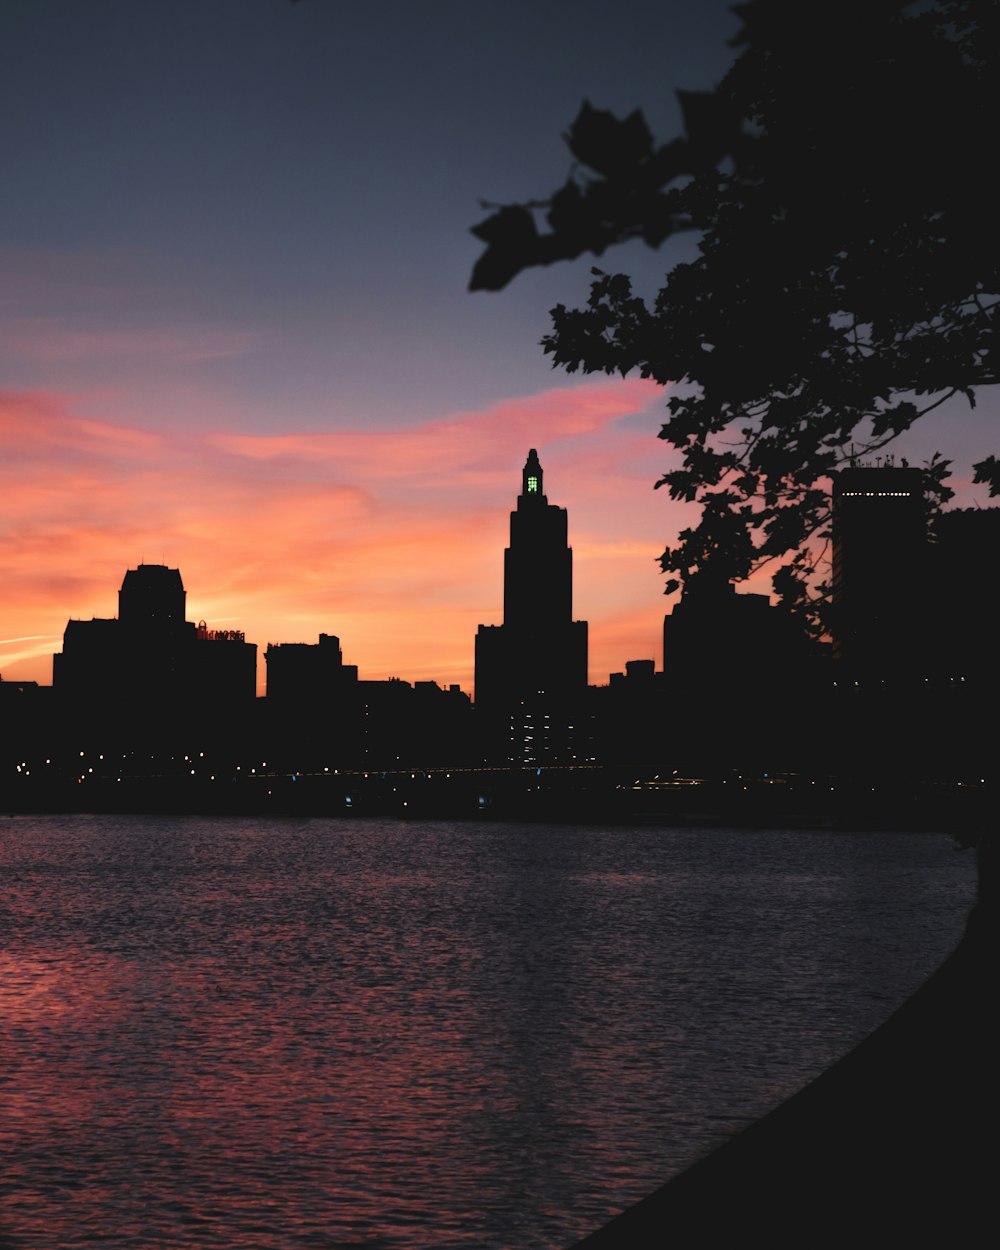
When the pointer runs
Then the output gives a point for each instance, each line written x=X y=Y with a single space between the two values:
x=312 y=704
x=634 y=721
x=880 y=565
x=731 y=661
x=531 y=671
x=320 y=716
x=715 y=638
x=25 y=718
x=307 y=674
x=965 y=595
x=913 y=606
x=400 y=725
x=150 y=671
x=223 y=669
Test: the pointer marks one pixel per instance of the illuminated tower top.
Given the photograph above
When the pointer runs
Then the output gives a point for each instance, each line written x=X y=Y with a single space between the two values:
x=531 y=481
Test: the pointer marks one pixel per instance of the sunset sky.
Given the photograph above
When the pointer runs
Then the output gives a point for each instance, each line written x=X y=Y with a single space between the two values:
x=236 y=336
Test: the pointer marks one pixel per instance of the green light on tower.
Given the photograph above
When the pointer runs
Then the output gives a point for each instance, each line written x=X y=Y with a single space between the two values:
x=532 y=485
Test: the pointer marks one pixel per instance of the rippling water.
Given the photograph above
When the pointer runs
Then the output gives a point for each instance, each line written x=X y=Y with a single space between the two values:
x=271 y=1034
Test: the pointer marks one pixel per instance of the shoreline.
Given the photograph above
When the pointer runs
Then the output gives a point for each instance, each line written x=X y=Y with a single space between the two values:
x=892 y=1145
x=579 y=796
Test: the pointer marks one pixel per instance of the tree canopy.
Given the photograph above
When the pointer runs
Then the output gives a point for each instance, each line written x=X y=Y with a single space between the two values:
x=846 y=282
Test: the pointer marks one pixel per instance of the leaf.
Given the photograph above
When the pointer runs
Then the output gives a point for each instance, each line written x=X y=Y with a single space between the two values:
x=513 y=244
x=607 y=144
x=988 y=472
x=511 y=226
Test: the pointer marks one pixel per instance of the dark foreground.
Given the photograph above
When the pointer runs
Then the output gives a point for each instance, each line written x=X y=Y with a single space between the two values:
x=892 y=1146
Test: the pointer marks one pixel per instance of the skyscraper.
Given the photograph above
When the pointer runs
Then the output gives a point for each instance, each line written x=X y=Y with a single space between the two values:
x=533 y=667
x=880 y=548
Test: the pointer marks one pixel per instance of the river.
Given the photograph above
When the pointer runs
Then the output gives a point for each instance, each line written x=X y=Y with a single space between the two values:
x=265 y=1034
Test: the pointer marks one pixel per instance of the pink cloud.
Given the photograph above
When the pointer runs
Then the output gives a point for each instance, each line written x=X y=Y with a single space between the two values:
x=470 y=442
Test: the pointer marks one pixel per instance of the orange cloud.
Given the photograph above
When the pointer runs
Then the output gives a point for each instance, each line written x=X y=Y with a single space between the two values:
x=392 y=540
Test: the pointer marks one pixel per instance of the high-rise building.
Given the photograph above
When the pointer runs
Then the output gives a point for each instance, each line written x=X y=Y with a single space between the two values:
x=150 y=668
x=880 y=551
x=914 y=604
x=531 y=671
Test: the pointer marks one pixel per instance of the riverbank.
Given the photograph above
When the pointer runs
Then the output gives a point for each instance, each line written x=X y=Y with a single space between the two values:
x=892 y=1146
x=578 y=795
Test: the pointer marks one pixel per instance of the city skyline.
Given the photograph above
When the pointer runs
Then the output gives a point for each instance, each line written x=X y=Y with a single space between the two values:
x=235 y=335
x=468 y=558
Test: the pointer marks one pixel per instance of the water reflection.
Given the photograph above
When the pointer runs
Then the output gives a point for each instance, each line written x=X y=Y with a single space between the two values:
x=318 y=1034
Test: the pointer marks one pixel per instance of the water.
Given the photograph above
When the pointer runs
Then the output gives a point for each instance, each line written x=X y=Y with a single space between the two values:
x=270 y=1034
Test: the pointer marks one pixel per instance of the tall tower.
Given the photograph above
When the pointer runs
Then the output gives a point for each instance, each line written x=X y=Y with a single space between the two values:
x=533 y=667
x=538 y=564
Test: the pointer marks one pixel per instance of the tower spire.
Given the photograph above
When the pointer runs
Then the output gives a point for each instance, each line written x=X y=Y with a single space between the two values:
x=531 y=479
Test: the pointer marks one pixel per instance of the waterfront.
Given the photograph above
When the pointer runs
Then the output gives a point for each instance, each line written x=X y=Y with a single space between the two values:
x=258 y=1032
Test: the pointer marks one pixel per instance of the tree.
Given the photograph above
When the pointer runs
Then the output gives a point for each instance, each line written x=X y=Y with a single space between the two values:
x=846 y=281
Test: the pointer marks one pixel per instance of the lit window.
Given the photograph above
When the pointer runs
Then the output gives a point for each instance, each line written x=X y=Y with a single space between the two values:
x=532 y=485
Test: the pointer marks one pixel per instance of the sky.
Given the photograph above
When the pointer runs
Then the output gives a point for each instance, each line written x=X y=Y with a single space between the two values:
x=236 y=336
